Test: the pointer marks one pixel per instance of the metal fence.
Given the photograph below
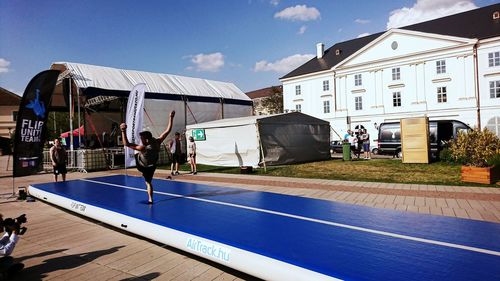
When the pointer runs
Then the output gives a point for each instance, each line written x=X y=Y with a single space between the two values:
x=85 y=160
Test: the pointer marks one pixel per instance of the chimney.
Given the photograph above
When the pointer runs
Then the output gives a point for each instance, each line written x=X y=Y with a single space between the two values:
x=320 y=50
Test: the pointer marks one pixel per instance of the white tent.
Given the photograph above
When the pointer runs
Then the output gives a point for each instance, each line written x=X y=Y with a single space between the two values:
x=251 y=141
x=195 y=100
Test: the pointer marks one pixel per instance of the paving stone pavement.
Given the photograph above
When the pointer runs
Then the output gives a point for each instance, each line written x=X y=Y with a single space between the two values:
x=60 y=245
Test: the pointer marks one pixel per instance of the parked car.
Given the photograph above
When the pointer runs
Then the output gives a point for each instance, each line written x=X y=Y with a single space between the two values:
x=374 y=147
x=440 y=132
x=336 y=146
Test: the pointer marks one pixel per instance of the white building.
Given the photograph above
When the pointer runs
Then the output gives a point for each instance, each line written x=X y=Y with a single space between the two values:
x=448 y=68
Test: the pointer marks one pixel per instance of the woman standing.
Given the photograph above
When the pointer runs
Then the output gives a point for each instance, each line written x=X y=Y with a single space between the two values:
x=192 y=155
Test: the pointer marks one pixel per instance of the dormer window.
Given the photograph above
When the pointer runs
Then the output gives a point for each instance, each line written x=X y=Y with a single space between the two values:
x=337 y=52
x=496 y=15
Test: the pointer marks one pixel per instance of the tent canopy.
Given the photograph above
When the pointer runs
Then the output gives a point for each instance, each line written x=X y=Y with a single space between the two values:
x=274 y=139
x=75 y=132
x=86 y=76
x=101 y=93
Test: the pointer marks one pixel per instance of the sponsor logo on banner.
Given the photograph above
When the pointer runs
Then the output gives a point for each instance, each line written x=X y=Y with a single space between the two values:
x=31 y=123
x=134 y=121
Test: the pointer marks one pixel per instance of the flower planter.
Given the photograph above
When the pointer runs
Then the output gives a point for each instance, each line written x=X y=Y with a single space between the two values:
x=486 y=175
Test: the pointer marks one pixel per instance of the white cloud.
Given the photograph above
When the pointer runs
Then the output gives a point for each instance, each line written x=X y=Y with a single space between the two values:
x=4 y=65
x=302 y=29
x=207 y=62
x=283 y=65
x=275 y=2
x=362 y=21
x=363 y=34
x=425 y=10
x=298 y=13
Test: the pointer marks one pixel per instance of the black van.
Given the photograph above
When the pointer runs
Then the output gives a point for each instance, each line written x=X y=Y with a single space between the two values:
x=440 y=131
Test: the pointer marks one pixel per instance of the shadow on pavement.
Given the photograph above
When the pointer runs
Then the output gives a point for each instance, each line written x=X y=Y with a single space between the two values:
x=39 y=272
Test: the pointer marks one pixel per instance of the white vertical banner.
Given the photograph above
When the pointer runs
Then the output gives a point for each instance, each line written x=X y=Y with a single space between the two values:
x=134 y=120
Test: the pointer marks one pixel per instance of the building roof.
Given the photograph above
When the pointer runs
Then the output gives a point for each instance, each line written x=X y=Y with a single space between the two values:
x=265 y=92
x=9 y=98
x=473 y=24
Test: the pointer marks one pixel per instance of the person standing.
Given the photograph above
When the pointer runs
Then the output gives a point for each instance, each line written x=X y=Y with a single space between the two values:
x=352 y=142
x=175 y=149
x=347 y=135
x=58 y=158
x=365 y=137
x=148 y=154
x=192 y=155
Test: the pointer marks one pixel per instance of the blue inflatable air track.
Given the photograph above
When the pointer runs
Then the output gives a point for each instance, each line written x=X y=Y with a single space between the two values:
x=281 y=237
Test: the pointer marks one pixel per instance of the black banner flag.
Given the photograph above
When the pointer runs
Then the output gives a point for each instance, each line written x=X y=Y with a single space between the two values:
x=31 y=123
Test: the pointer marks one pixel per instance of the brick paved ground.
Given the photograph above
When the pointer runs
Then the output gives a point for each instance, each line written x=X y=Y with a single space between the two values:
x=61 y=246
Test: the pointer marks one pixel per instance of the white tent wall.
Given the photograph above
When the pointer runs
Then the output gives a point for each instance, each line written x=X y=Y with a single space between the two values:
x=236 y=110
x=198 y=112
x=228 y=146
x=157 y=114
x=284 y=138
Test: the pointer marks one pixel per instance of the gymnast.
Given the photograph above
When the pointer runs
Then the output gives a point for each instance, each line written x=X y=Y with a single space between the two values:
x=148 y=154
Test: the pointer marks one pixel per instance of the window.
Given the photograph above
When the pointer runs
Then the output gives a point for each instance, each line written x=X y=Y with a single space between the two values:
x=495 y=89
x=326 y=85
x=14 y=116
x=326 y=106
x=396 y=73
x=297 y=90
x=358 y=103
x=441 y=94
x=494 y=59
x=396 y=99
x=357 y=80
x=441 y=66
x=298 y=107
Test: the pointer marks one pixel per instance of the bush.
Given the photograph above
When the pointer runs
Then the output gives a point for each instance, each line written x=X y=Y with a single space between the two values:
x=494 y=161
x=445 y=155
x=475 y=148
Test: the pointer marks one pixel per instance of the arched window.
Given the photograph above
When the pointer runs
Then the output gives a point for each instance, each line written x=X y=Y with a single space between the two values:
x=359 y=129
x=494 y=125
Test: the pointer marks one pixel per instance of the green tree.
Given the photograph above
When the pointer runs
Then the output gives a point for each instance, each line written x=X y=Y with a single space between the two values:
x=274 y=102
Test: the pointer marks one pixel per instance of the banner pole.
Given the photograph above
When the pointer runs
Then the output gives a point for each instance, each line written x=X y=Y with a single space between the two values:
x=71 y=108
x=79 y=121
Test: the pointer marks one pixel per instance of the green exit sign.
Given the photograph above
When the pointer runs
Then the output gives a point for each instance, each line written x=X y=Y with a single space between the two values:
x=198 y=134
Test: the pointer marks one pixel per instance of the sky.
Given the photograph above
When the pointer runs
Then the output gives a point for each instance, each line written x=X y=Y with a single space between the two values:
x=251 y=43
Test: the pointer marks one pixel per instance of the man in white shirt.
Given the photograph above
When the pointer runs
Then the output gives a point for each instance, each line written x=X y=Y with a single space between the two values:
x=7 y=244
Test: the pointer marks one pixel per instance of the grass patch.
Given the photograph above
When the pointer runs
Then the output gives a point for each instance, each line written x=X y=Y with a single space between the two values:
x=375 y=170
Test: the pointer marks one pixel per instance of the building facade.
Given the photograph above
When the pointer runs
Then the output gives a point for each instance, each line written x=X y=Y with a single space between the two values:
x=9 y=105
x=258 y=96
x=446 y=69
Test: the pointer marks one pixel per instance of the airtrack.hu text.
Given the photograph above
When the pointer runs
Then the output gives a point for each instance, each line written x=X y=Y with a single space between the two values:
x=208 y=249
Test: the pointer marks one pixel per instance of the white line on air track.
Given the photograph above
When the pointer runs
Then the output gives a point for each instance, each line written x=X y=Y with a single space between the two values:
x=363 y=229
